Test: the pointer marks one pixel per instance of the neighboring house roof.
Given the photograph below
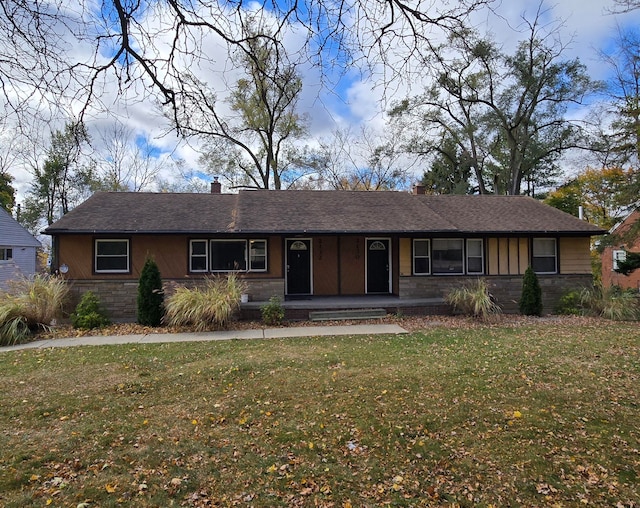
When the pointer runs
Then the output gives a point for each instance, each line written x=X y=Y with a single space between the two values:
x=626 y=221
x=315 y=212
x=12 y=234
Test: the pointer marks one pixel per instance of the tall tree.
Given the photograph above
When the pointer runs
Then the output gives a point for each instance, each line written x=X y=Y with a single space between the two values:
x=7 y=192
x=603 y=194
x=59 y=182
x=58 y=51
x=126 y=162
x=505 y=111
x=362 y=160
x=621 y=6
x=450 y=170
x=622 y=141
x=254 y=144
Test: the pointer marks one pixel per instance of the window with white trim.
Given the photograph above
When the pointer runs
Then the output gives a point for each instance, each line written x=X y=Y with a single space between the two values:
x=475 y=256
x=199 y=255
x=447 y=256
x=258 y=255
x=112 y=256
x=544 y=258
x=421 y=257
x=6 y=254
x=618 y=256
x=206 y=255
x=228 y=255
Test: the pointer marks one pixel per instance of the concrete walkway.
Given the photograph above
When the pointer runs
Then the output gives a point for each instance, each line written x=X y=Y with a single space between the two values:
x=266 y=333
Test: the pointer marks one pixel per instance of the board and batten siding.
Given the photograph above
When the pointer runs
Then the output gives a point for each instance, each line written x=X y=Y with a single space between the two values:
x=510 y=256
x=575 y=255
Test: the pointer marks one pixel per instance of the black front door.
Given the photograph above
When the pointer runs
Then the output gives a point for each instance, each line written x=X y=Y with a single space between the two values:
x=298 y=267
x=378 y=266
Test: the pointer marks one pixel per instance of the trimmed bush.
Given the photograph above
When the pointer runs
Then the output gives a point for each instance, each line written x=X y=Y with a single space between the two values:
x=570 y=304
x=473 y=299
x=30 y=304
x=205 y=308
x=150 y=295
x=531 y=299
x=88 y=313
x=272 y=312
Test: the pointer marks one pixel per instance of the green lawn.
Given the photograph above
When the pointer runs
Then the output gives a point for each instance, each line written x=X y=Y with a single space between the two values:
x=532 y=415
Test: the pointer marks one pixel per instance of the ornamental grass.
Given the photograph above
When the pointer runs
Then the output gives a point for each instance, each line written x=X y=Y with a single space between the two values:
x=208 y=307
x=473 y=299
x=31 y=303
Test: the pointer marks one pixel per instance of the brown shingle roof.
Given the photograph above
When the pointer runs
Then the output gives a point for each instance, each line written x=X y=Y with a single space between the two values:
x=319 y=212
x=506 y=214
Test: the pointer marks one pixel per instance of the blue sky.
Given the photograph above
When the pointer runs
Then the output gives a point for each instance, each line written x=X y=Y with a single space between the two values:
x=355 y=98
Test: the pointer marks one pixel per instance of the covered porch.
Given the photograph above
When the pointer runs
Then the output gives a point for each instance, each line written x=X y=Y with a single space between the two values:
x=348 y=307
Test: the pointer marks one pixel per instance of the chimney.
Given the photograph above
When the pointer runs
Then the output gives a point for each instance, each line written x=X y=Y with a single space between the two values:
x=216 y=186
x=418 y=189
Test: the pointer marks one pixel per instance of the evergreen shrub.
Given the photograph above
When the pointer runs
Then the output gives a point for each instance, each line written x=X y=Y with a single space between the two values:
x=150 y=295
x=531 y=299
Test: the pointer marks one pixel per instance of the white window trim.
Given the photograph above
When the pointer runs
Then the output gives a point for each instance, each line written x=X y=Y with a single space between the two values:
x=206 y=255
x=428 y=256
x=555 y=254
x=618 y=255
x=266 y=254
x=481 y=272
x=247 y=254
x=112 y=240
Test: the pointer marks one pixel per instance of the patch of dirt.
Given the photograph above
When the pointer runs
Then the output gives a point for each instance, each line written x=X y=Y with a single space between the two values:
x=409 y=323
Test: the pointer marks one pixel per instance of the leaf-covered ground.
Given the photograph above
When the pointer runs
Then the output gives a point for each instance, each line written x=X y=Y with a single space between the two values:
x=515 y=413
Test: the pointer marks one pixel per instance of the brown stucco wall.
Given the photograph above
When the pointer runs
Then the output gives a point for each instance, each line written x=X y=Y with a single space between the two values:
x=325 y=265
x=352 y=261
x=170 y=252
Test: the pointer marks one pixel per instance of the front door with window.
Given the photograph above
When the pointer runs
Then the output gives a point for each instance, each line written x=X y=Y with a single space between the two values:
x=298 y=267
x=378 y=259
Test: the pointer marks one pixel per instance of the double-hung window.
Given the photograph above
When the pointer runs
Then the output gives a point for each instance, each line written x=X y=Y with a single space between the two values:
x=421 y=257
x=6 y=254
x=112 y=256
x=199 y=255
x=544 y=257
x=258 y=255
x=447 y=256
x=475 y=257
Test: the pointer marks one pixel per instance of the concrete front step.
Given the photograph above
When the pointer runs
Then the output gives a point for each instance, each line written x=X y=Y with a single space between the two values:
x=335 y=315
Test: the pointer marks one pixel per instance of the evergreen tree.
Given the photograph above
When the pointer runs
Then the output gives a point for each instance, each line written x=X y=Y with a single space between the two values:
x=531 y=299
x=7 y=192
x=150 y=295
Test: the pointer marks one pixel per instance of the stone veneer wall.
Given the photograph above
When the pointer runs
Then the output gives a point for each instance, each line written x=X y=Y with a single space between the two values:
x=505 y=288
x=119 y=297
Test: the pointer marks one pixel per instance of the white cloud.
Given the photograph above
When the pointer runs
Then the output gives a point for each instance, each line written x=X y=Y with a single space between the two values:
x=353 y=99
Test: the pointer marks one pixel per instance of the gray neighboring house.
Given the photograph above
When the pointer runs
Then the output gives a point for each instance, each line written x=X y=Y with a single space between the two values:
x=18 y=250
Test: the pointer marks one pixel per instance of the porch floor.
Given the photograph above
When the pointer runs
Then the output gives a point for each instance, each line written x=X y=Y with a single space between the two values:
x=298 y=308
